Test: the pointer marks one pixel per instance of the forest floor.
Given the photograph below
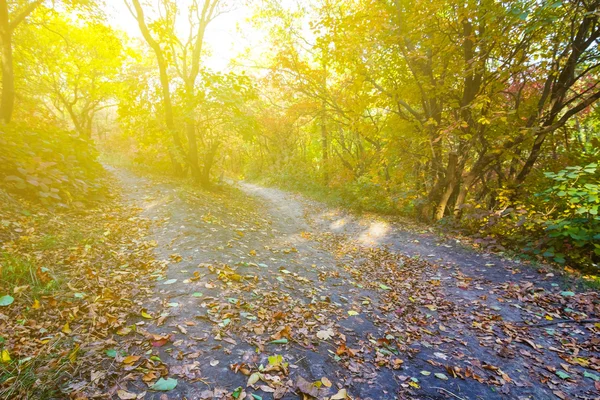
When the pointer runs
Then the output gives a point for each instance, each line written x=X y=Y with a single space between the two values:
x=263 y=294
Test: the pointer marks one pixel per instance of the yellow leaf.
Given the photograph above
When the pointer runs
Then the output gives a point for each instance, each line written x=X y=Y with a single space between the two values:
x=36 y=304
x=255 y=377
x=414 y=384
x=146 y=315
x=352 y=313
x=19 y=289
x=124 y=331
x=130 y=359
x=549 y=318
x=73 y=354
x=66 y=329
x=342 y=394
x=326 y=382
x=5 y=356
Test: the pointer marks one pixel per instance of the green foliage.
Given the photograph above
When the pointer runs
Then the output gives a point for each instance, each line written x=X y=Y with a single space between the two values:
x=573 y=227
x=48 y=165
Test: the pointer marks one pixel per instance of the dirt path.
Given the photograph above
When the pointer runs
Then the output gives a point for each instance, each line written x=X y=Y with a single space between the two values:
x=374 y=309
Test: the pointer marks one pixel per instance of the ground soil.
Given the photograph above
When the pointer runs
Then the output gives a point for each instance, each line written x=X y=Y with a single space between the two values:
x=379 y=309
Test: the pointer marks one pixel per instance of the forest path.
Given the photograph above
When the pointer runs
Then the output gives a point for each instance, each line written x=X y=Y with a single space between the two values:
x=379 y=311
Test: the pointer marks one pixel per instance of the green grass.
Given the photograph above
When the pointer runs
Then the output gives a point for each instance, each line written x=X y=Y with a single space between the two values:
x=18 y=271
x=31 y=378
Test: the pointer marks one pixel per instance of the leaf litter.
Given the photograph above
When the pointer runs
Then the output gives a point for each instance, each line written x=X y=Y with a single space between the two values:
x=266 y=309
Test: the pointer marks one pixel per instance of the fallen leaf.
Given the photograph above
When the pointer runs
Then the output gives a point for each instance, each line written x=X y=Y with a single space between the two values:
x=5 y=356
x=130 y=359
x=164 y=385
x=125 y=395
x=441 y=376
x=342 y=394
x=325 y=334
x=255 y=377
x=306 y=387
x=6 y=300
x=66 y=328
x=562 y=374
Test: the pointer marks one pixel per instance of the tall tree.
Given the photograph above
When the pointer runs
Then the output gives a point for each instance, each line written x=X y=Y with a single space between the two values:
x=185 y=56
x=138 y=12
x=74 y=67
x=10 y=18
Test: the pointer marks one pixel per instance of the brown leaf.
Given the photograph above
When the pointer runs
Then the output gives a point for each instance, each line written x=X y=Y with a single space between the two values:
x=306 y=387
x=125 y=395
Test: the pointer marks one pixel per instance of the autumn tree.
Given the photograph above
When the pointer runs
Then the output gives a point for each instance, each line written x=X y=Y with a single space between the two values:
x=10 y=18
x=74 y=70
x=184 y=56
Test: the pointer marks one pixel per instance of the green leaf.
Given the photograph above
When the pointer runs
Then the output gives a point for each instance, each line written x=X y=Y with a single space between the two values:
x=164 y=385
x=567 y=294
x=237 y=392
x=279 y=341
x=197 y=294
x=275 y=360
x=256 y=397
x=591 y=376
x=384 y=287
x=112 y=353
x=562 y=375
x=441 y=376
x=6 y=300
x=169 y=281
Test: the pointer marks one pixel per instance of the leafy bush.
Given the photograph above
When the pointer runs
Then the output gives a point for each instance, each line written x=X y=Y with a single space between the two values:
x=48 y=165
x=560 y=223
x=573 y=229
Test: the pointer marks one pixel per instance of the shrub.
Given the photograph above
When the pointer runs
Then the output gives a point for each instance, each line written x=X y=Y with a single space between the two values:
x=48 y=165
x=573 y=228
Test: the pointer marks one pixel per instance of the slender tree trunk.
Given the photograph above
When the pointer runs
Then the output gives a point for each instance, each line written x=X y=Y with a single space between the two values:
x=450 y=182
x=169 y=120
x=7 y=27
x=463 y=190
x=7 y=101
x=193 y=150
x=209 y=158
x=324 y=148
x=89 y=125
x=164 y=83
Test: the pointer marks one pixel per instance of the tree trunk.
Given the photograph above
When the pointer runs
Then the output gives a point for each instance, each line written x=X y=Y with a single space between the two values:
x=209 y=159
x=450 y=182
x=7 y=27
x=169 y=121
x=324 y=148
x=8 y=76
x=193 y=150
x=164 y=83
x=463 y=190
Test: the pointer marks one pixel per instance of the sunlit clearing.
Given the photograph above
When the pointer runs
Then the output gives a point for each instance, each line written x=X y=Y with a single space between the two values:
x=375 y=233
